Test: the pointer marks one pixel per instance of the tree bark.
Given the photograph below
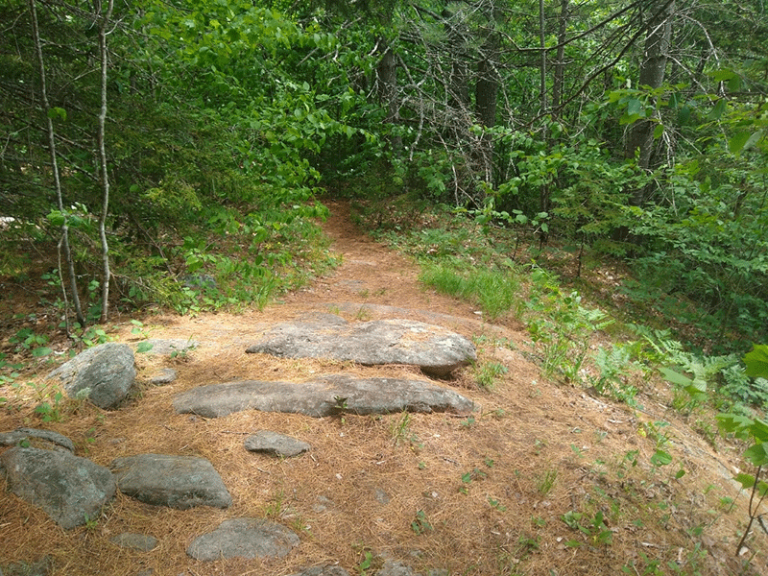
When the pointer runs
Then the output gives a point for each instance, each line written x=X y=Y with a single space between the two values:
x=104 y=19
x=55 y=167
x=559 y=78
x=487 y=92
x=652 y=70
x=386 y=76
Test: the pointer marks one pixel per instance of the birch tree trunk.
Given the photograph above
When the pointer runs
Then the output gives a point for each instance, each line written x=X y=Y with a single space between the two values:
x=55 y=168
x=104 y=18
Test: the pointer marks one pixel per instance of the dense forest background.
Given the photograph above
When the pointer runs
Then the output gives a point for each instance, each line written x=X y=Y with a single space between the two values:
x=163 y=147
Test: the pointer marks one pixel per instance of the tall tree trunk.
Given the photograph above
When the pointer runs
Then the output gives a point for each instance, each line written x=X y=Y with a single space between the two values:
x=559 y=78
x=487 y=92
x=544 y=192
x=652 y=69
x=104 y=19
x=386 y=76
x=55 y=166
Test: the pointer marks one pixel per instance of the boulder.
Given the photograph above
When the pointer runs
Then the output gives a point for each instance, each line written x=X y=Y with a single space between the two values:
x=325 y=396
x=68 y=488
x=246 y=538
x=435 y=350
x=275 y=444
x=106 y=370
x=180 y=482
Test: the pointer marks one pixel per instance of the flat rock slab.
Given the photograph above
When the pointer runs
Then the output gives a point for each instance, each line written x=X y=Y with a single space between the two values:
x=325 y=396
x=106 y=370
x=37 y=438
x=245 y=538
x=434 y=349
x=276 y=444
x=68 y=488
x=180 y=482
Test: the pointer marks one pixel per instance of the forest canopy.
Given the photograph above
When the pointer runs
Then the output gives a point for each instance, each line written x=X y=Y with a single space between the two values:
x=160 y=146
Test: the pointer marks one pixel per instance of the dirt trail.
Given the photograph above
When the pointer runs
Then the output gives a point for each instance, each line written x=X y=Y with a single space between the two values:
x=481 y=495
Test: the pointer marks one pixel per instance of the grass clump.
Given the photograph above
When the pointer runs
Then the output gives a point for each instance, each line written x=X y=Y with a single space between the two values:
x=494 y=291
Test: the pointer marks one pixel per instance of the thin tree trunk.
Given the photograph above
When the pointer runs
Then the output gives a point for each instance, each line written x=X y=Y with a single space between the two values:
x=55 y=166
x=652 y=69
x=386 y=74
x=544 y=192
x=487 y=91
x=104 y=19
x=559 y=79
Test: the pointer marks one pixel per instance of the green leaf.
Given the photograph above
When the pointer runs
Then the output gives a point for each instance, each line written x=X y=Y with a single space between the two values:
x=757 y=361
x=675 y=377
x=757 y=454
x=661 y=458
x=718 y=109
x=738 y=141
x=658 y=131
x=42 y=351
x=635 y=107
x=144 y=347
x=57 y=112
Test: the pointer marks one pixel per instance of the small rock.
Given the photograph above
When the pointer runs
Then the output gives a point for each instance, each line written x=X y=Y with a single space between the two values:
x=169 y=346
x=166 y=376
x=394 y=568
x=135 y=541
x=42 y=567
x=381 y=496
x=245 y=538
x=328 y=570
x=276 y=444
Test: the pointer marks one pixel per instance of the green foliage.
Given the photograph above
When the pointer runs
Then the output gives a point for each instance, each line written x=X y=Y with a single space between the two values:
x=494 y=291
x=560 y=326
x=614 y=366
x=488 y=373
x=421 y=524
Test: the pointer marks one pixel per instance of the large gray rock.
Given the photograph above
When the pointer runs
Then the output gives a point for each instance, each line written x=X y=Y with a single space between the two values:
x=276 y=444
x=37 y=438
x=246 y=538
x=326 y=396
x=180 y=482
x=107 y=370
x=66 y=487
x=434 y=349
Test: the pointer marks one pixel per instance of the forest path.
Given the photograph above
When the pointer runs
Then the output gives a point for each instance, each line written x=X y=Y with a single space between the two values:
x=442 y=492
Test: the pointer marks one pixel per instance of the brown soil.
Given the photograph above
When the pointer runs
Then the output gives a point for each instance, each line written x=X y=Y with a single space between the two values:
x=480 y=495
